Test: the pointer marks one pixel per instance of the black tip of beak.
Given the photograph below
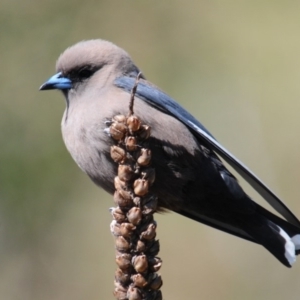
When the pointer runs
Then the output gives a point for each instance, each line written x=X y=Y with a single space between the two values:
x=45 y=86
x=56 y=82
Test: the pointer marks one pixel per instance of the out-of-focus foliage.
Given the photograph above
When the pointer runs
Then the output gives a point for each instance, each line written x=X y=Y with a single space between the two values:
x=234 y=64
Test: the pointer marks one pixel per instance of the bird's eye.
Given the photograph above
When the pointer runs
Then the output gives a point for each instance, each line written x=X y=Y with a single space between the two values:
x=85 y=73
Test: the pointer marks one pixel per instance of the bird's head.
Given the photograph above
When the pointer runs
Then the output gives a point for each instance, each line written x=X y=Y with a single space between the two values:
x=89 y=64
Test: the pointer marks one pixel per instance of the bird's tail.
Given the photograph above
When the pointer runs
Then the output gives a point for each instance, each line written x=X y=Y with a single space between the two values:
x=278 y=236
x=292 y=231
x=282 y=240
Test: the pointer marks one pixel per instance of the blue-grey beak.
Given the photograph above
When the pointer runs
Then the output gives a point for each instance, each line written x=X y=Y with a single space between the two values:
x=57 y=82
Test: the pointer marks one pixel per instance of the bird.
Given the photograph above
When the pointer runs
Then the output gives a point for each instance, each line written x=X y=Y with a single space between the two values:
x=96 y=78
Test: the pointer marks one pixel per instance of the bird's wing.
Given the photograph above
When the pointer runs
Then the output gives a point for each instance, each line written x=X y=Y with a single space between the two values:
x=155 y=97
x=217 y=224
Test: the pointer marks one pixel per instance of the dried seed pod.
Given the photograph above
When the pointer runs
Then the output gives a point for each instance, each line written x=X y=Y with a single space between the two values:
x=149 y=174
x=122 y=188
x=133 y=123
x=137 y=170
x=122 y=277
x=139 y=280
x=141 y=186
x=145 y=157
x=153 y=248
x=145 y=222
x=140 y=263
x=131 y=143
x=118 y=154
x=118 y=285
x=122 y=244
x=153 y=295
x=125 y=172
x=126 y=194
x=132 y=196
x=119 y=118
x=150 y=233
x=118 y=214
x=126 y=229
x=123 y=261
x=119 y=184
x=158 y=295
x=155 y=281
x=140 y=246
x=120 y=292
x=144 y=132
x=155 y=263
x=121 y=201
x=134 y=293
x=149 y=204
x=137 y=201
x=117 y=130
x=134 y=215
x=115 y=228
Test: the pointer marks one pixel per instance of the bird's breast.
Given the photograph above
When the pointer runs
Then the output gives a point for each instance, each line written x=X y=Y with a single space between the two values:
x=89 y=146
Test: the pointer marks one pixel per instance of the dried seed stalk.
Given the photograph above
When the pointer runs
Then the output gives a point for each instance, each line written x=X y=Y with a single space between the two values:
x=133 y=225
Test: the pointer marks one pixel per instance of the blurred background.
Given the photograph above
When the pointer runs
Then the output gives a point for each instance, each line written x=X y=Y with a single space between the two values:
x=234 y=64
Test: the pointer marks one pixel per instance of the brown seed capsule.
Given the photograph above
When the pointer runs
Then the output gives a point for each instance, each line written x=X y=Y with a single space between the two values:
x=131 y=143
x=122 y=277
x=123 y=261
x=134 y=293
x=122 y=244
x=126 y=229
x=119 y=184
x=137 y=201
x=118 y=214
x=115 y=228
x=140 y=263
x=141 y=187
x=154 y=295
x=133 y=123
x=149 y=204
x=155 y=263
x=155 y=281
x=146 y=222
x=117 y=130
x=149 y=174
x=140 y=246
x=139 y=280
x=120 y=292
x=134 y=215
x=144 y=132
x=122 y=188
x=125 y=172
x=126 y=194
x=121 y=201
x=145 y=157
x=117 y=154
x=119 y=118
x=118 y=285
x=153 y=247
x=150 y=233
